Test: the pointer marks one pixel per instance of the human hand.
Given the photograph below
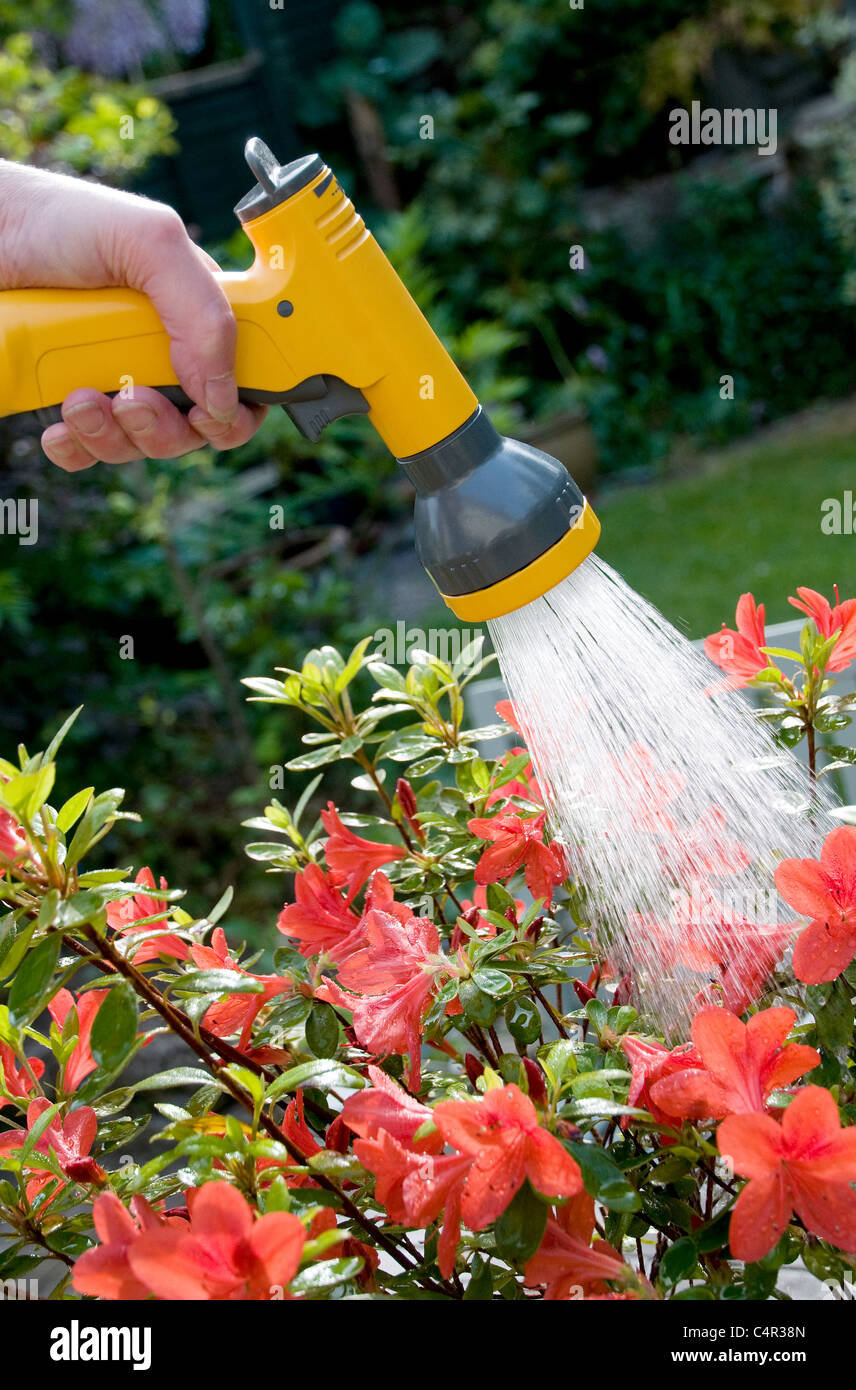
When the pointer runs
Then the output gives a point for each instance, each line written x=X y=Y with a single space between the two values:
x=66 y=232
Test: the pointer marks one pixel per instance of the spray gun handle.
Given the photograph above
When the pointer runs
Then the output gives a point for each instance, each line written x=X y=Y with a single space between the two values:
x=325 y=325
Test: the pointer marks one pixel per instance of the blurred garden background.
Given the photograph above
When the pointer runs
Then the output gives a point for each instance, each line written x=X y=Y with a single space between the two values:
x=482 y=143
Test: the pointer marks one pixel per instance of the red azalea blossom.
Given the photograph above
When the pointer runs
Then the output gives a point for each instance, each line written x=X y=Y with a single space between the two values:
x=69 y=1141
x=708 y=937
x=742 y=1064
x=840 y=619
x=17 y=1080
x=416 y=1188
x=650 y=1062
x=222 y=1253
x=351 y=858
x=825 y=890
x=81 y=1062
x=387 y=1106
x=739 y=653
x=806 y=1164
x=124 y=914
x=518 y=842
x=388 y=984
x=319 y=919
x=236 y=1013
x=105 y=1271
x=502 y=1135
x=567 y=1262
x=13 y=841
x=644 y=791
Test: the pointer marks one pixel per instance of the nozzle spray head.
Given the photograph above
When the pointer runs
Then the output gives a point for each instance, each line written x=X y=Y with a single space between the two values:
x=498 y=523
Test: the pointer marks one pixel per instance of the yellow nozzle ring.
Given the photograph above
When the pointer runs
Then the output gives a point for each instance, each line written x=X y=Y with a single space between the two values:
x=534 y=579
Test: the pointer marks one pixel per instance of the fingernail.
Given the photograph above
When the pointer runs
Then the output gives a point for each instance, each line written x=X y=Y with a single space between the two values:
x=63 y=447
x=135 y=416
x=221 y=397
x=85 y=417
x=206 y=424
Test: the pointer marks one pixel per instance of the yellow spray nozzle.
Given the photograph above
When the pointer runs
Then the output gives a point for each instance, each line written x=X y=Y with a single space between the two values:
x=326 y=328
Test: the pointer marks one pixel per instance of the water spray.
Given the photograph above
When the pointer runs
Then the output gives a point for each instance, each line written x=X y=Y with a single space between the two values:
x=673 y=807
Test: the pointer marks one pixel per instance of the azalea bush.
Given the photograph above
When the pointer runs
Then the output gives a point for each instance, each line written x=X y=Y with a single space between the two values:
x=432 y=1088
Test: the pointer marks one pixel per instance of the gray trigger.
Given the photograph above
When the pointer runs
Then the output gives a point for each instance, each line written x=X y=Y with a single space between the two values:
x=316 y=402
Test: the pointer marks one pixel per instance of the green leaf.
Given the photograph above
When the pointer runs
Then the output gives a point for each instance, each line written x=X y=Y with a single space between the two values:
x=603 y=1179
x=493 y=982
x=31 y=987
x=14 y=947
x=318 y=1278
x=520 y=1229
x=74 y=807
x=835 y=1020
x=323 y=1073
x=679 y=1261
x=114 y=1028
x=523 y=1019
x=175 y=1076
x=217 y=982
x=322 y=1029
x=317 y=757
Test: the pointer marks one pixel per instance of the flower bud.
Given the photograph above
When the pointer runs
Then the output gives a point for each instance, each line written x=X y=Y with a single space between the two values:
x=582 y=991
x=622 y=990
x=338 y=1136
x=535 y=1078
x=473 y=1067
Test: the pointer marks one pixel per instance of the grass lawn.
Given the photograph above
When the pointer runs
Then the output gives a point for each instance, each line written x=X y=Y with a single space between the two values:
x=748 y=518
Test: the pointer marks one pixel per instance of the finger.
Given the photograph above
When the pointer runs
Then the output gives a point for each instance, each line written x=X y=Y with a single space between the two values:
x=89 y=418
x=61 y=447
x=208 y=261
x=194 y=311
x=152 y=425
x=223 y=436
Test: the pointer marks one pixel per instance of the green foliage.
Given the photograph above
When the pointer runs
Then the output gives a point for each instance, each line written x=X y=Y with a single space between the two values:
x=72 y=120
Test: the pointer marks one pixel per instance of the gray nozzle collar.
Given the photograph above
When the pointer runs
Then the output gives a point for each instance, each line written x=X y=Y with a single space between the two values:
x=454 y=457
x=275 y=182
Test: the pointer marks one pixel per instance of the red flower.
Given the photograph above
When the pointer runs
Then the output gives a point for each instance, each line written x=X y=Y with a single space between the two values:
x=705 y=851
x=125 y=913
x=320 y=920
x=17 y=1081
x=650 y=1062
x=388 y=984
x=222 y=1253
x=353 y=859
x=237 y=1012
x=739 y=653
x=840 y=619
x=68 y=1140
x=502 y=1134
x=105 y=1271
x=566 y=1260
x=416 y=1188
x=81 y=1062
x=824 y=890
x=518 y=842
x=742 y=1064
x=644 y=791
x=706 y=936
x=386 y=1106
x=13 y=841
x=807 y=1165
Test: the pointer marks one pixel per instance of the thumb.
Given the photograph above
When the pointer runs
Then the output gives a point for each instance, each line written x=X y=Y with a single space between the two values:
x=166 y=265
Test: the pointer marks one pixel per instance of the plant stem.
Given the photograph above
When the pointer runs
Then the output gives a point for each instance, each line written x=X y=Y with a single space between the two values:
x=179 y=1025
